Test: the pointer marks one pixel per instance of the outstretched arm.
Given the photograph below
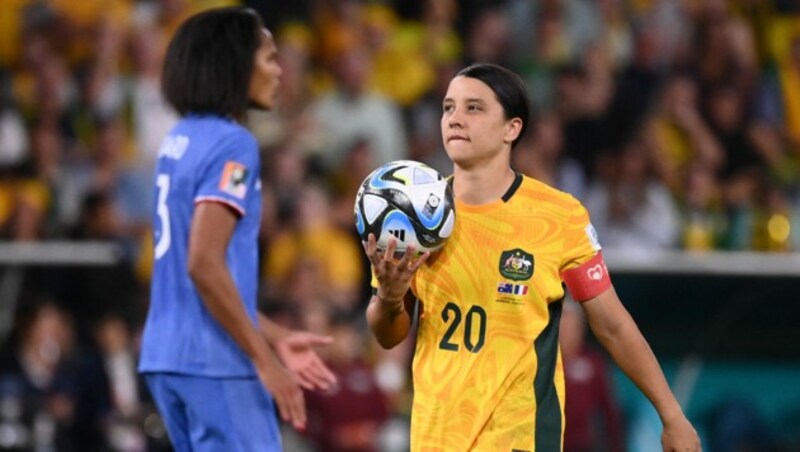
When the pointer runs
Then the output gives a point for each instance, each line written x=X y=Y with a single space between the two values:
x=296 y=351
x=615 y=329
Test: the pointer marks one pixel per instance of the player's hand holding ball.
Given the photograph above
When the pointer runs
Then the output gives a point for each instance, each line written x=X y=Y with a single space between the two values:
x=404 y=211
x=394 y=275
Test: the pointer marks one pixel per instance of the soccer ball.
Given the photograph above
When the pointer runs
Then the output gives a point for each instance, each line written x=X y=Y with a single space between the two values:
x=407 y=200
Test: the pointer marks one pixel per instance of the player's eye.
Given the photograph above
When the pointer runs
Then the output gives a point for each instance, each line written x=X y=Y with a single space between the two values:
x=447 y=108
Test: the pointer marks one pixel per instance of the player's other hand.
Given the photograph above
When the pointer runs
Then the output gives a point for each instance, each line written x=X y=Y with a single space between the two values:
x=285 y=391
x=394 y=275
x=680 y=436
x=296 y=351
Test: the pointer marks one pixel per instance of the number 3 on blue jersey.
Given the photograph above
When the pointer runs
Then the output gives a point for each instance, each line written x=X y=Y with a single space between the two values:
x=163 y=236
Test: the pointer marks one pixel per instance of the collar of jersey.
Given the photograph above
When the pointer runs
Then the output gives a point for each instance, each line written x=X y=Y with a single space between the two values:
x=460 y=206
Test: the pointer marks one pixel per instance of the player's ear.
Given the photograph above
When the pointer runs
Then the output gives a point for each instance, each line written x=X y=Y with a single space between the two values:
x=513 y=129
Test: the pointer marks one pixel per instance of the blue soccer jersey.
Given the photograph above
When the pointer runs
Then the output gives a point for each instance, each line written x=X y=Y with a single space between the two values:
x=203 y=159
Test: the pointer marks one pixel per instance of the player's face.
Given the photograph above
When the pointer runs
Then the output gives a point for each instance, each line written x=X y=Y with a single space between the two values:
x=474 y=127
x=265 y=80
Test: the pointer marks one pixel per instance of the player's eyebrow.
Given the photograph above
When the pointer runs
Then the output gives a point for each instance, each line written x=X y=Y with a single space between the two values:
x=467 y=100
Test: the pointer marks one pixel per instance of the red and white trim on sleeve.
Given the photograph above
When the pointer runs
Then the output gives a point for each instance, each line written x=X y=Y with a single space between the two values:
x=588 y=280
x=236 y=208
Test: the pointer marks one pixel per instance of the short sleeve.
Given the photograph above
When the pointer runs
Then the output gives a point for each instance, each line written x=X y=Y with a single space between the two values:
x=582 y=269
x=580 y=239
x=230 y=172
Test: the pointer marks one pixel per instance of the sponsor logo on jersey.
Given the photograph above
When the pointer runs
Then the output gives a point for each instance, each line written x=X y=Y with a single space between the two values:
x=234 y=178
x=516 y=264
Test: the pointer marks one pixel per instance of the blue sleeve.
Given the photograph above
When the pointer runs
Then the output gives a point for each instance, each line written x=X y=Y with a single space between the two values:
x=230 y=172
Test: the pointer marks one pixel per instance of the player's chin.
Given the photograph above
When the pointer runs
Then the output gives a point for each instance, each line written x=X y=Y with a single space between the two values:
x=458 y=156
x=457 y=149
x=263 y=103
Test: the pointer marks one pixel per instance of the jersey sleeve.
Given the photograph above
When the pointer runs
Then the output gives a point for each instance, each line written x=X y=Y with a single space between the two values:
x=582 y=267
x=230 y=172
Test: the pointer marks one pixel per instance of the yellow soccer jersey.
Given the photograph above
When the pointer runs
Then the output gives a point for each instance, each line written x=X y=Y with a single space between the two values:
x=487 y=374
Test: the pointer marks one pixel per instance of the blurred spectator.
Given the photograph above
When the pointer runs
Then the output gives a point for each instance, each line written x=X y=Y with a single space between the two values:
x=56 y=389
x=358 y=162
x=103 y=89
x=104 y=170
x=151 y=118
x=726 y=114
x=44 y=87
x=441 y=42
x=350 y=112
x=171 y=13
x=637 y=85
x=567 y=26
x=86 y=289
x=83 y=19
x=287 y=171
x=488 y=37
x=402 y=69
x=425 y=134
x=23 y=203
x=289 y=123
x=704 y=216
x=338 y=26
x=13 y=137
x=616 y=35
x=130 y=406
x=681 y=134
x=549 y=49
x=25 y=195
x=312 y=240
x=584 y=91
x=724 y=48
x=631 y=209
x=350 y=416
x=779 y=104
x=592 y=416
x=540 y=155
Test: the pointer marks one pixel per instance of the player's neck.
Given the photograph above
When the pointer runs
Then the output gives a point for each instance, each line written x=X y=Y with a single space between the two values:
x=477 y=186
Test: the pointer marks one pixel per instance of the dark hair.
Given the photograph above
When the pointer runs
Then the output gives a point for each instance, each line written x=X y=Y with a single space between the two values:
x=509 y=89
x=209 y=62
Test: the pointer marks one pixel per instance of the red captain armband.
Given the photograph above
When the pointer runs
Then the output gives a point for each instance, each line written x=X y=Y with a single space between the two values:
x=588 y=280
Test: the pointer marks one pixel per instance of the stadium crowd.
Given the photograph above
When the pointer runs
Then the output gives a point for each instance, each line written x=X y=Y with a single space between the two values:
x=677 y=123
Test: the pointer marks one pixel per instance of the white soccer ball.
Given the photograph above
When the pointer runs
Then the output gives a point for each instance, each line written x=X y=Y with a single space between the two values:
x=409 y=201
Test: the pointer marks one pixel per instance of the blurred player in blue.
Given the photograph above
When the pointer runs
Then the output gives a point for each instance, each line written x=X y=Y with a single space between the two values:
x=215 y=366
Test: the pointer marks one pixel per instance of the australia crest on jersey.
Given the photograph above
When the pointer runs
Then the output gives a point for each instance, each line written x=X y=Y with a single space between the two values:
x=516 y=264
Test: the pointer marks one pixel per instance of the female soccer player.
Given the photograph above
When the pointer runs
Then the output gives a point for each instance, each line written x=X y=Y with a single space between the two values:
x=487 y=375
x=208 y=357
